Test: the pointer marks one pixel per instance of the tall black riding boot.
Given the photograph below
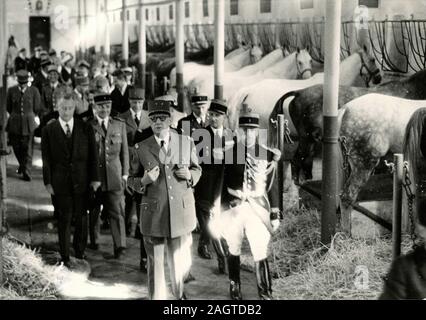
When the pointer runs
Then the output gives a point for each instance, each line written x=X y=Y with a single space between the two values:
x=220 y=253
x=263 y=277
x=234 y=277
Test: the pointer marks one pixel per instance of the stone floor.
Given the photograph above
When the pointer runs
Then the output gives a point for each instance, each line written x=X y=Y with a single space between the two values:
x=30 y=215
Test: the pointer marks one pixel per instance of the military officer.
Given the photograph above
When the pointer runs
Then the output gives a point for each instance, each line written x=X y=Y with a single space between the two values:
x=23 y=104
x=250 y=203
x=48 y=100
x=164 y=170
x=208 y=190
x=197 y=119
x=81 y=93
x=111 y=140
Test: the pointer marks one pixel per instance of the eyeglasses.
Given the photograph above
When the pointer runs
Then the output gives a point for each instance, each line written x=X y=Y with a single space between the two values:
x=155 y=118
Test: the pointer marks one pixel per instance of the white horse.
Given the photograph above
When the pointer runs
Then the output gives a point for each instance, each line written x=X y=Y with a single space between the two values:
x=297 y=65
x=262 y=97
x=192 y=69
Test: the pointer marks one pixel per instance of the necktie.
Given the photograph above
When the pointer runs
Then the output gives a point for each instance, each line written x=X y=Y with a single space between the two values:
x=68 y=133
x=163 y=146
x=202 y=123
x=137 y=120
x=104 y=127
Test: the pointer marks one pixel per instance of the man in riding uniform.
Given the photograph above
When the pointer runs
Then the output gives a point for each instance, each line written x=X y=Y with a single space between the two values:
x=250 y=203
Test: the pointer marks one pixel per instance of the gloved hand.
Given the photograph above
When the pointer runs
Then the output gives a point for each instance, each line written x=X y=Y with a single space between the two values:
x=275 y=225
x=183 y=173
x=150 y=176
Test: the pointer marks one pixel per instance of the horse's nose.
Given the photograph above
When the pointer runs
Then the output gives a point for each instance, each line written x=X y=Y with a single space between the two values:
x=377 y=79
x=307 y=74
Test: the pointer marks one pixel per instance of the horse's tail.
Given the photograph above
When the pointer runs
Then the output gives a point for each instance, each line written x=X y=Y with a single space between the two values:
x=412 y=146
x=278 y=109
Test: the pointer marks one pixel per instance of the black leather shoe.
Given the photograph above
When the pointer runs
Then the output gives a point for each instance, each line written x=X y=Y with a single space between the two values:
x=143 y=266
x=204 y=252
x=235 y=290
x=19 y=170
x=119 y=252
x=66 y=263
x=93 y=246
x=263 y=277
x=26 y=177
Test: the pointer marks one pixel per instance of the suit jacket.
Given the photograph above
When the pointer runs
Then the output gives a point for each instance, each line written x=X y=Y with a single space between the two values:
x=407 y=277
x=193 y=124
x=69 y=173
x=34 y=65
x=47 y=97
x=22 y=109
x=113 y=153
x=167 y=205
x=131 y=127
x=40 y=81
x=120 y=103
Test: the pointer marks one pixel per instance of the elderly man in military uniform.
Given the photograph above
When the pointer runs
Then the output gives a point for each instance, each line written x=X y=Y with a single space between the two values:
x=23 y=104
x=111 y=140
x=250 y=202
x=197 y=119
x=164 y=170
x=208 y=190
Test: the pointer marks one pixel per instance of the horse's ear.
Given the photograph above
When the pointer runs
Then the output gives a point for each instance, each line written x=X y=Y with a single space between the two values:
x=298 y=50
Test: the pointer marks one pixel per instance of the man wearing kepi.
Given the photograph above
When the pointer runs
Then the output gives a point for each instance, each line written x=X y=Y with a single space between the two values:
x=111 y=140
x=250 y=202
x=70 y=163
x=208 y=190
x=164 y=170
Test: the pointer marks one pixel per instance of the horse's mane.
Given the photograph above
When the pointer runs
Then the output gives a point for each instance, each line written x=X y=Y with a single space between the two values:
x=412 y=151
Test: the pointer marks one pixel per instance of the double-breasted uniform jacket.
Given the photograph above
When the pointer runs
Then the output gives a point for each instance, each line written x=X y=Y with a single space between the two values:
x=209 y=188
x=193 y=125
x=113 y=153
x=168 y=205
x=48 y=98
x=69 y=172
x=22 y=108
x=407 y=277
x=251 y=174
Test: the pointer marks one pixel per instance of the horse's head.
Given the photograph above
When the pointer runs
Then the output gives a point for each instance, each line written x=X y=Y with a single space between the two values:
x=369 y=70
x=256 y=53
x=304 y=63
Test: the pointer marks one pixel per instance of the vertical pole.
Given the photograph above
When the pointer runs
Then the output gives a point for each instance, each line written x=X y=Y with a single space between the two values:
x=85 y=30
x=107 y=49
x=80 y=34
x=125 y=34
x=219 y=48
x=331 y=92
x=281 y=162
x=397 y=205
x=142 y=47
x=179 y=52
x=98 y=34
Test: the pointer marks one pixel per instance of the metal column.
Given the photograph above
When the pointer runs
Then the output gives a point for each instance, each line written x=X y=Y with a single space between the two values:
x=107 y=44
x=180 y=52
x=330 y=106
x=219 y=48
x=142 y=47
x=125 y=35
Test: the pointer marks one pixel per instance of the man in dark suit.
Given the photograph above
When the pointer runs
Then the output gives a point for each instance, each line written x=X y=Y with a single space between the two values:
x=41 y=78
x=208 y=190
x=70 y=169
x=120 y=94
x=113 y=151
x=197 y=119
x=21 y=61
x=34 y=63
x=47 y=92
x=22 y=104
x=164 y=170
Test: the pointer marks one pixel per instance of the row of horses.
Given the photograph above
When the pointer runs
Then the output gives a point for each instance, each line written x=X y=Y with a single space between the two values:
x=372 y=115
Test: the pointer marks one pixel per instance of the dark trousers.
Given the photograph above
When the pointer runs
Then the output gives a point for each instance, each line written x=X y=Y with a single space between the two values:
x=23 y=149
x=113 y=206
x=94 y=225
x=130 y=210
x=69 y=207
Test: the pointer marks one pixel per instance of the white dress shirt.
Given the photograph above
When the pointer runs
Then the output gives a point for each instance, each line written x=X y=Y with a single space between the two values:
x=105 y=121
x=63 y=124
x=138 y=114
x=166 y=139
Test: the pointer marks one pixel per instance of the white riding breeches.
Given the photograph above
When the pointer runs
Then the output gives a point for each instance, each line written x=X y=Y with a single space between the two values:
x=233 y=223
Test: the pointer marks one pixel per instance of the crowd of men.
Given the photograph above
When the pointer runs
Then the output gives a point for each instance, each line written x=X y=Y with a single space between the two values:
x=105 y=155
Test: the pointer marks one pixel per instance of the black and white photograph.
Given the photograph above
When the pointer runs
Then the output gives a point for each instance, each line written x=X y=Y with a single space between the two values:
x=212 y=150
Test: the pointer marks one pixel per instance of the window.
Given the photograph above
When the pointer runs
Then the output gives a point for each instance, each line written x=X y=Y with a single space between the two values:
x=147 y=14
x=234 y=7
x=158 y=14
x=186 y=9
x=306 y=4
x=369 y=3
x=171 y=12
x=265 y=6
x=205 y=8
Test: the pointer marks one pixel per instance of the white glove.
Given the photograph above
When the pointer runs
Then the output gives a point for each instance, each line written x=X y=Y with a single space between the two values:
x=150 y=176
x=37 y=120
x=275 y=225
